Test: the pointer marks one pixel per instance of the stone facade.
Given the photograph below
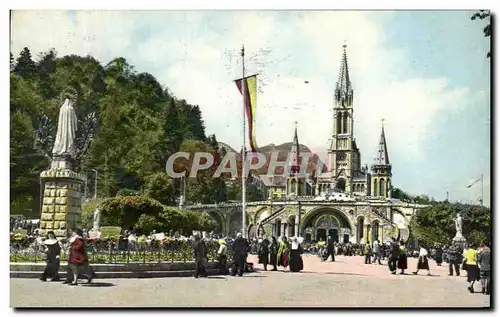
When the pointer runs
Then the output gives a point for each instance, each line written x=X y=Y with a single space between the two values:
x=62 y=198
x=359 y=221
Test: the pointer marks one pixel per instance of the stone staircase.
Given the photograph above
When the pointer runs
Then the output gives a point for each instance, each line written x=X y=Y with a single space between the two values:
x=272 y=216
x=125 y=270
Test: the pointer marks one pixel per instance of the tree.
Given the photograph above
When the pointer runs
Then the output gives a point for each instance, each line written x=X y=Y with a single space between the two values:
x=435 y=223
x=160 y=186
x=172 y=219
x=484 y=14
x=25 y=66
x=146 y=224
x=139 y=124
x=124 y=211
x=12 y=62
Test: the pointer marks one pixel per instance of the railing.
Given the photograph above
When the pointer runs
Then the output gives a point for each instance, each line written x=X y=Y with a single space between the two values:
x=123 y=251
x=273 y=215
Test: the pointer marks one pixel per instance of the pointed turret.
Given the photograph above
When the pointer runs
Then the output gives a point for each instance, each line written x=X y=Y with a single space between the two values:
x=382 y=155
x=381 y=185
x=295 y=165
x=343 y=90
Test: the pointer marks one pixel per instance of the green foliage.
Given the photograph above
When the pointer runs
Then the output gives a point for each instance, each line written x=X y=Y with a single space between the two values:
x=203 y=188
x=435 y=223
x=160 y=186
x=146 y=224
x=172 y=219
x=88 y=209
x=25 y=66
x=126 y=192
x=145 y=214
x=140 y=125
x=124 y=211
x=484 y=14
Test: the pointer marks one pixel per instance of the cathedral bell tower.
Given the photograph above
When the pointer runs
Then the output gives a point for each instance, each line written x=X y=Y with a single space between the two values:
x=341 y=149
x=381 y=170
x=295 y=185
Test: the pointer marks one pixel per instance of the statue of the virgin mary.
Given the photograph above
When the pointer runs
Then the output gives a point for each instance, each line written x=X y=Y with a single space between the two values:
x=67 y=125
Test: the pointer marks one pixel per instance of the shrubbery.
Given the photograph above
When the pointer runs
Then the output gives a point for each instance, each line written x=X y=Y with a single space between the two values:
x=144 y=215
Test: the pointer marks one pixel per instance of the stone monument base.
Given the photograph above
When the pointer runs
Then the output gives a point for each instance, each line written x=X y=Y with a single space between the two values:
x=62 y=198
x=460 y=240
x=94 y=234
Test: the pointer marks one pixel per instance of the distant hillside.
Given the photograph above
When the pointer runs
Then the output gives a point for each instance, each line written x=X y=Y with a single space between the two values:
x=283 y=151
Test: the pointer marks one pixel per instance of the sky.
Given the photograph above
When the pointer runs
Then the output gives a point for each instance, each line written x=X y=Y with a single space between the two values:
x=424 y=72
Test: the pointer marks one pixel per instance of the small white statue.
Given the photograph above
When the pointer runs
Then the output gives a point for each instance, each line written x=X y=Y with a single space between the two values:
x=181 y=201
x=97 y=219
x=458 y=224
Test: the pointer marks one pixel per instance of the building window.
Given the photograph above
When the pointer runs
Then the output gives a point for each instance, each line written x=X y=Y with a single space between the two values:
x=339 y=122
x=344 y=123
x=375 y=188
x=382 y=191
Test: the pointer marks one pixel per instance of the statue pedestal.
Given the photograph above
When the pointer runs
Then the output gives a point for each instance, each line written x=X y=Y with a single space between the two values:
x=62 y=198
x=94 y=234
x=460 y=240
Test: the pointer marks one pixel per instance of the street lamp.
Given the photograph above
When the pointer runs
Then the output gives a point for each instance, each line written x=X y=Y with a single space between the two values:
x=95 y=183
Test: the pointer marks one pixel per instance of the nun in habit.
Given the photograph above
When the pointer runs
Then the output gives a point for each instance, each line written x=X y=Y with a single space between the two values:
x=423 y=262
x=296 y=263
x=53 y=251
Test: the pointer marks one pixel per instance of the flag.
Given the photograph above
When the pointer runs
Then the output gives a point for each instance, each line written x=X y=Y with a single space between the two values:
x=472 y=184
x=250 y=105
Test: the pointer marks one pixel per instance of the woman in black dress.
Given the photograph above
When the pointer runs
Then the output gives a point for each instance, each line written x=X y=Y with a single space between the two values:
x=53 y=251
x=263 y=252
x=439 y=255
x=273 y=252
x=423 y=262
x=296 y=264
x=402 y=259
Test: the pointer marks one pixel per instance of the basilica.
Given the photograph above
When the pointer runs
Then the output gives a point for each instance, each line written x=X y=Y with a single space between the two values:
x=347 y=202
x=345 y=173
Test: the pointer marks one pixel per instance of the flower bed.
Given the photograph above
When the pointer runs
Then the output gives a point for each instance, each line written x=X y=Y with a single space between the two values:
x=112 y=251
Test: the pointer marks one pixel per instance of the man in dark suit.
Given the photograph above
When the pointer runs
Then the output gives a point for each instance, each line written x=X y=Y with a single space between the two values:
x=240 y=248
x=454 y=258
x=200 y=254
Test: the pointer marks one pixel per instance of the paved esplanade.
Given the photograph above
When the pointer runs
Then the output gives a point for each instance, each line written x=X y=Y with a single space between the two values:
x=345 y=283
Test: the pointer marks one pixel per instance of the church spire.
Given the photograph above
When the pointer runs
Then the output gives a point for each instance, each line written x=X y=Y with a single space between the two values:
x=295 y=165
x=382 y=155
x=343 y=90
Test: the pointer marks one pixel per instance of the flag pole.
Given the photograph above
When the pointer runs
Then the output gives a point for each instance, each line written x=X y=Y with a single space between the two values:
x=243 y=155
x=482 y=190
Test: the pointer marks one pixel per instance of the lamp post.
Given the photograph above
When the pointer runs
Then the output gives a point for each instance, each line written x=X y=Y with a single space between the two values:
x=95 y=183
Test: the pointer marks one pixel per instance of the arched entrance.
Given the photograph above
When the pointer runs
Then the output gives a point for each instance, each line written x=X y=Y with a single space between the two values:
x=324 y=222
x=252 y=232
x=327 y=227
x=219 y=220
x=235 y=223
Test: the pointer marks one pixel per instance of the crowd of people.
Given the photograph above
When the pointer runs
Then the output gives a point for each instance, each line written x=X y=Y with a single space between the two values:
x=272 y=252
